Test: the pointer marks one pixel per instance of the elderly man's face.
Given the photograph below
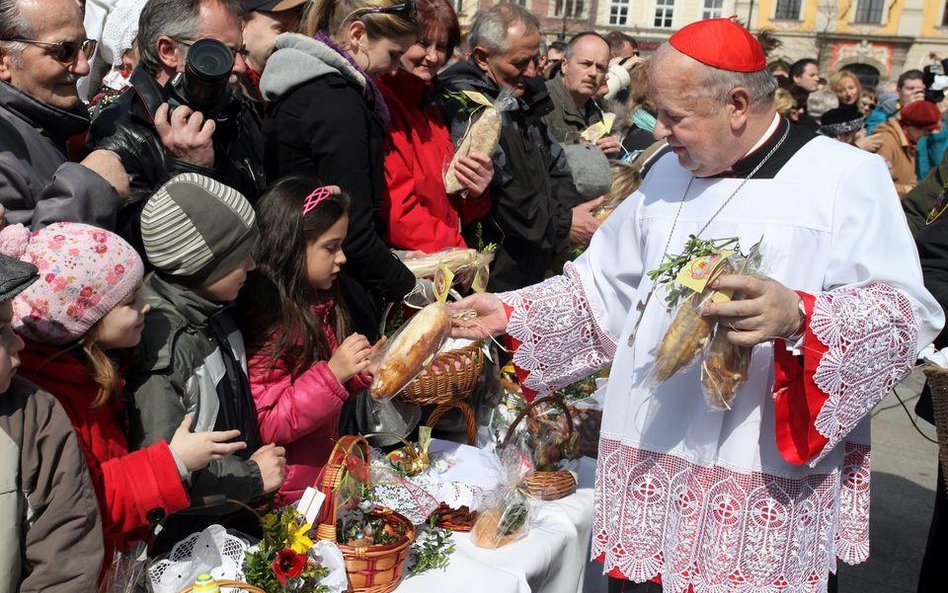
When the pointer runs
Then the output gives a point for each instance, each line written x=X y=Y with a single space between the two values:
x=217 y=23
x=585 y=72
x=699 y=136
x=514 y=66
x=36 y=71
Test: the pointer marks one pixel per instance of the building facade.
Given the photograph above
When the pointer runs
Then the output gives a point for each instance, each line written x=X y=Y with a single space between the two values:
x=878 y=39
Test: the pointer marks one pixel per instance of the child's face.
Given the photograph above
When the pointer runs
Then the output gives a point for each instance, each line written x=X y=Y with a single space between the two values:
x=224 y=290
x=324 y=256
x=122 y=326
x=10 y=346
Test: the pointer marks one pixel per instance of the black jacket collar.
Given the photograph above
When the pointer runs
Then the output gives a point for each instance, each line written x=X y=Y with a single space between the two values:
x=535 y=102
x=56 y=124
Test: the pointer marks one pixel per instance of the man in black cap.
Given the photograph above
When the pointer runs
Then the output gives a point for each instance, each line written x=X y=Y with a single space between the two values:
x=263 y=21
x=52 y=535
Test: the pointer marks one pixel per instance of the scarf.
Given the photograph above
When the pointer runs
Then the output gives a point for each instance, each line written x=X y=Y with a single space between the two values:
x=371 y=91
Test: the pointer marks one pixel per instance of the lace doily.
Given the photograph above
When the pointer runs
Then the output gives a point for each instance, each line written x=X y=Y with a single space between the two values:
x=718 y=530
x=212 y=551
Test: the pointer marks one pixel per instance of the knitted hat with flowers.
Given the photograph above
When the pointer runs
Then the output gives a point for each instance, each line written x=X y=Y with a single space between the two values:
x=84 y=272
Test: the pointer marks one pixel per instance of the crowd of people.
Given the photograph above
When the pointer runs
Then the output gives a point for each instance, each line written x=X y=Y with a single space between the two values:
x=207 y=206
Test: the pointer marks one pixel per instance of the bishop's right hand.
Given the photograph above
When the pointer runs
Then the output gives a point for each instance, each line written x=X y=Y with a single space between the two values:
x=491 y=319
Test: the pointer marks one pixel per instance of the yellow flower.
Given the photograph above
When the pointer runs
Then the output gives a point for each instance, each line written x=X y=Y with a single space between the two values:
x=299 y=540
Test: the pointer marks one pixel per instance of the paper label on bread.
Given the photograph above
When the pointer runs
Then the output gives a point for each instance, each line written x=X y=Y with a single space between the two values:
x=411 y=349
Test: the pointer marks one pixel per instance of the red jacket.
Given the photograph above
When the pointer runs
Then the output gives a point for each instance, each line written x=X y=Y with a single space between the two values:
x=133 y=488
x=299 y=413
x=418 y=212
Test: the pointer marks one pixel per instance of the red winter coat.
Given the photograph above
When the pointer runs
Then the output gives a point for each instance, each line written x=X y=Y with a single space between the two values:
x=419 y=213
x=301 y=413
x=133 y=488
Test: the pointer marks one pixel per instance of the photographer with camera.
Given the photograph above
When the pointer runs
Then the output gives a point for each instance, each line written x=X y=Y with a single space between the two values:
x=184 y=112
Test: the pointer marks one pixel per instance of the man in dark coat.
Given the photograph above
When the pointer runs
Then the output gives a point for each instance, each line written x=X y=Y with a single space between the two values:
x=536 y=209
x=39 y=110
x=156 y=142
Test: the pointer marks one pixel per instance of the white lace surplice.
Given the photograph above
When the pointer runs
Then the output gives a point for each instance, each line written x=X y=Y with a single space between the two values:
x=705 y=498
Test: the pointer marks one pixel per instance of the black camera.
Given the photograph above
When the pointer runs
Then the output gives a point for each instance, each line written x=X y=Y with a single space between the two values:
x=204 y=84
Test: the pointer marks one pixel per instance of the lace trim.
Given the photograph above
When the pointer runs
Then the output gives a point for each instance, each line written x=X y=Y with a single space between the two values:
x=561 y=341
x=871 y=333
x=718 y=530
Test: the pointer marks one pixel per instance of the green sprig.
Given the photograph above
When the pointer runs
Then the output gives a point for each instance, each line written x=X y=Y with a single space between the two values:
x=431 y=549
x=667 y=271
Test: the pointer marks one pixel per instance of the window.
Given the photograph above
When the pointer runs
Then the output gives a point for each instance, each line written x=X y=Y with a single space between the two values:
x=712 y=9
x=574 y=8
x=619 y=12
x=869 y=12
x=788 y=9
x=663 y=13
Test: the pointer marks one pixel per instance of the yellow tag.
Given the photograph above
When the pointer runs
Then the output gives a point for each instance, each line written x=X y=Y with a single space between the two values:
x=478 y=98
x=600 y=129
x=697 y=273
x=442 y=282
x=479 y=284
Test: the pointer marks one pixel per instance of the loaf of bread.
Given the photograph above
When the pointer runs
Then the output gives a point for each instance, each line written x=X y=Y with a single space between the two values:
x=411 y=349
x=482 y=137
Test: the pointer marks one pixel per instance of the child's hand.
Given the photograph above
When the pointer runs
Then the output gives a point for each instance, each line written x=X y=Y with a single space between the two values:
x=351 y=358
x=197 y=449
x=272 y=463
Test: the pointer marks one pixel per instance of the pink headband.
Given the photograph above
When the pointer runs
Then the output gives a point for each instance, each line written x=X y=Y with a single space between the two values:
x=312 y=200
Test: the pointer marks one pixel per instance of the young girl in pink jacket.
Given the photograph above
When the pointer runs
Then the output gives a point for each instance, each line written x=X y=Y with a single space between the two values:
x=292 y=317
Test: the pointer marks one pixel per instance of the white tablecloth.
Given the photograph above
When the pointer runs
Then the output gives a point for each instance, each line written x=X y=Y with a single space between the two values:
x=551 y=558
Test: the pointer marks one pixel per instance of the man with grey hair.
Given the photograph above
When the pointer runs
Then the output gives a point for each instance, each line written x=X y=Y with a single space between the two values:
x=156 y=142
x=535 y=209
x=747 y=470
x=43 y=52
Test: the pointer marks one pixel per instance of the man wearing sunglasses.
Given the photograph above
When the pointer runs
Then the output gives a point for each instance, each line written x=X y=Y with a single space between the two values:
x=43 y=51
x=157 y=142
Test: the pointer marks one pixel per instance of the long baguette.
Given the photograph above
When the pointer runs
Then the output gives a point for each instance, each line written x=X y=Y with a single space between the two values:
x=482 y=137
x=410 y=350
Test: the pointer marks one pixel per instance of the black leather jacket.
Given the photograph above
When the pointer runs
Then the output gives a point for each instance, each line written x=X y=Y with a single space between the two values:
x=127 y=128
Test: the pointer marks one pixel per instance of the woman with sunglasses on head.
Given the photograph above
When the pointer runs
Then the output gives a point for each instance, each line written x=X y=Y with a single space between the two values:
x=420 y=214
x=327 y=119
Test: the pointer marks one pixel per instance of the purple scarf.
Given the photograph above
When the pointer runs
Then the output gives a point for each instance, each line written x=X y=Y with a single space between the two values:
x=371 y=91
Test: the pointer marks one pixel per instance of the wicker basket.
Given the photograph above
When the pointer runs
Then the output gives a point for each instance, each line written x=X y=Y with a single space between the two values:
x=545 y=485
x=460 y=519
x=228 y=584
x=938 y=382
x=371 y=569
x=451 y=376
x=466 y=411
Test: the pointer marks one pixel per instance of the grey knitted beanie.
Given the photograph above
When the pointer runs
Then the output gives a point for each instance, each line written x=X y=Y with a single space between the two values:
x=197 y=230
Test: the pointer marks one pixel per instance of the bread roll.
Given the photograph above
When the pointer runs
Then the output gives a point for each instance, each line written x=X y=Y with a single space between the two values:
x=410 y=350
x=482 y=137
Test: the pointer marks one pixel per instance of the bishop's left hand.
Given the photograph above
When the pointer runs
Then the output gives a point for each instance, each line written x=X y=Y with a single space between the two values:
x=766 y=311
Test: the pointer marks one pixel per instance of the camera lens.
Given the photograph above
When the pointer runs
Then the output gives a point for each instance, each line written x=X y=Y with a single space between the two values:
x=207 y=71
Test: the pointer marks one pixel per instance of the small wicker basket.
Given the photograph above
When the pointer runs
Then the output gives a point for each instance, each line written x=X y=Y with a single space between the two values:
x=371 y=569
x=545 y=485
x=938 y=382
x=451 y=376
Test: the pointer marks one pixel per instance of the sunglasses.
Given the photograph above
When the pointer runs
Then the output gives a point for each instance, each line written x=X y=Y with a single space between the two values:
x=65 y=52
x=405 y=10
x=242 y=52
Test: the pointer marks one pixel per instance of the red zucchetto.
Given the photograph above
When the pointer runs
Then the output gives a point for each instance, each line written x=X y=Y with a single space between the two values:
x=721 y=43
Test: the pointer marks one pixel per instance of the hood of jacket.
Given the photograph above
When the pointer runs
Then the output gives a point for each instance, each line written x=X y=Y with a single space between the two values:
x=299 y=59
x=184 y=302
x=54 y=123
x=466 y=76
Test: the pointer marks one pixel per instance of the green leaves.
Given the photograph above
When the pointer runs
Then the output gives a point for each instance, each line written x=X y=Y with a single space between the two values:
x=431 y=549
x=667 y=271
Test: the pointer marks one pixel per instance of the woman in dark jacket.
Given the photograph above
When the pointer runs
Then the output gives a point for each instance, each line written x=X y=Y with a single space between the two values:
x=327 y=119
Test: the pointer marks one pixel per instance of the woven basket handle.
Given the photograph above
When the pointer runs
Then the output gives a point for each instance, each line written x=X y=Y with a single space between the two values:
x=466 y=411
x=553 y=399
x=331 y=479
x=229 y=584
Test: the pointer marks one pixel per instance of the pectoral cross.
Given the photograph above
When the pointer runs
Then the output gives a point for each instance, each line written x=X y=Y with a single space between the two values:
x=640 y=309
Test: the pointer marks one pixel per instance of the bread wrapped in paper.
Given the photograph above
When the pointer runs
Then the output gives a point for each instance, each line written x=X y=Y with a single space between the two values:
x=482 y=137
x=411 y=348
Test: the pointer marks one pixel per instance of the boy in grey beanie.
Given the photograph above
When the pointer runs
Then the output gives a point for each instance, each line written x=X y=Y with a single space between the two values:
x=197 y=235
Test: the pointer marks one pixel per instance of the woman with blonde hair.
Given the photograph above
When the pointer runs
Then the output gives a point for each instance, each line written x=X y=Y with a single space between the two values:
x=327 y=119
x=847 y=88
